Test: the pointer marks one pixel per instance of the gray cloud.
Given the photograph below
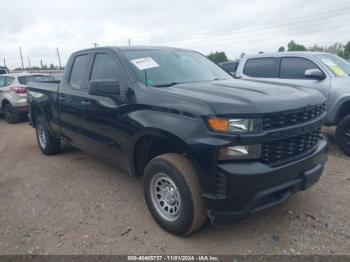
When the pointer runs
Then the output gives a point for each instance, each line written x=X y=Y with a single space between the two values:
x=233 y=26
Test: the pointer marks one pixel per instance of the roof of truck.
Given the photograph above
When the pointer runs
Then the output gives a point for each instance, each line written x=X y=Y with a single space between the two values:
x=294 y=53
x=135 y=47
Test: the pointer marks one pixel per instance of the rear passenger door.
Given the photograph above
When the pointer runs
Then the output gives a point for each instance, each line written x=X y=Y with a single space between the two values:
x=262 y=68
x=95 y=121
x=72 y=93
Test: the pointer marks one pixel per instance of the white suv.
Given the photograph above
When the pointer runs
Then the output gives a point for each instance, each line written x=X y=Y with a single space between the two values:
x=13 y=94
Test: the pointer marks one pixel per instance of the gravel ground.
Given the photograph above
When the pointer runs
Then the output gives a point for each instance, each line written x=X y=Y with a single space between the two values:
x=75 y=204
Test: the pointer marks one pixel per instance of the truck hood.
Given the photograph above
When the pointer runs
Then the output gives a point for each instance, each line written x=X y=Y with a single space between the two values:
x=247 y=97
x=342 y=84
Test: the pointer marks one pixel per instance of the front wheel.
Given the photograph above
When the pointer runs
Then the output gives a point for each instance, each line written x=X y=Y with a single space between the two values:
x=343 y=135
x=48 y=144
x=173 y=194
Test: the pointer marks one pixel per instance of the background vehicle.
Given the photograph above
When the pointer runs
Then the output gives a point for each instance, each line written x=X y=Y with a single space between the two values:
x=327 y=73
x=203 y=142
x=13 y=94
x=230 y=67
x=3 y=70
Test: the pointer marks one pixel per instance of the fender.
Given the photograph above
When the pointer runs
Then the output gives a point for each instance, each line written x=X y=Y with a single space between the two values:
x=182 y=130
x=334 y=111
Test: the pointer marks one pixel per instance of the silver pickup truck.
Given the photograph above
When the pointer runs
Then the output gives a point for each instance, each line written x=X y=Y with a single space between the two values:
x=325 y=72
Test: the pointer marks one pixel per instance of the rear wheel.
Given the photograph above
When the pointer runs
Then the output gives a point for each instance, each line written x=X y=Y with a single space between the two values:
x=173 y=194
x=343 y=135
x=48 y=144
x=10 y=115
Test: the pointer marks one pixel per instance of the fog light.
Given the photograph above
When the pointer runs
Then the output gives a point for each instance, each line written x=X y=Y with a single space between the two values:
x=240 y=152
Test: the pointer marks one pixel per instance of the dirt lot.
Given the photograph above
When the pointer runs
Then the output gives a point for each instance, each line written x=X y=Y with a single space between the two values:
x=75 y=204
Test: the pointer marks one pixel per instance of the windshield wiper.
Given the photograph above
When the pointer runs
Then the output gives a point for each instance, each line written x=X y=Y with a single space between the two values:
x=167 y=85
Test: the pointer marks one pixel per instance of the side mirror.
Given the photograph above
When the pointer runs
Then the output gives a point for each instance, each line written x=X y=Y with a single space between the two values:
x=315 y=74
x=104 y=87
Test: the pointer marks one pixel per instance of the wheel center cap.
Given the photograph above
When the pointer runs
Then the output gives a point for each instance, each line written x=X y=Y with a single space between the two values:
x=169 y=196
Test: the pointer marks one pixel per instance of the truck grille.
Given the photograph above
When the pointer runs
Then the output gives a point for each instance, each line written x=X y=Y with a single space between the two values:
x=279 y=150
x=287 y=119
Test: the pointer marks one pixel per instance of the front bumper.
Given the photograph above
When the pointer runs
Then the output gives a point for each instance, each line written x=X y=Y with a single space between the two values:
x=247 y=187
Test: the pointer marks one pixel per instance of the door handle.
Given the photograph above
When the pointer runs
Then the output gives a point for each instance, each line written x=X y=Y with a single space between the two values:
x=85 y=103
x=62 y=97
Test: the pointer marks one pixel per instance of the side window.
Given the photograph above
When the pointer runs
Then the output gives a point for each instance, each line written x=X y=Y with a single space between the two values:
x=260 y=67
x=295 y=67
x=9 y=81
x=2 y=81
x=78 y=73
x=105 y=68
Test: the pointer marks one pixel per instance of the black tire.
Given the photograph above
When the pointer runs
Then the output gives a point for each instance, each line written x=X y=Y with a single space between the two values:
x=10 y=115
x=52 y=145
x=342 y=135
x=192 y=212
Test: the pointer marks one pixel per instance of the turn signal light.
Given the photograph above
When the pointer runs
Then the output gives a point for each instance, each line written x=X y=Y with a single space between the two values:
x=220 y=125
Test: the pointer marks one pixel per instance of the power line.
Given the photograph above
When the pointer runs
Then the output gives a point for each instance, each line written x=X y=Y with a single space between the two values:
x=255 y=40
x=264 y=31
x=285 y=21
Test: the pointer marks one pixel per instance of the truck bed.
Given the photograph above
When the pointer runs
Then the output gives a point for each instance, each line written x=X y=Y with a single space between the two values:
x=51 y=86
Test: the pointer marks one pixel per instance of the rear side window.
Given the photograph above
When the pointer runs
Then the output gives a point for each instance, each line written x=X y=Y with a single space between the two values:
x=260 y=67
x=3 y=71
x=2 y=81
x=295 y=67
x=9 y=81
x=79 y=69
x=105 y=68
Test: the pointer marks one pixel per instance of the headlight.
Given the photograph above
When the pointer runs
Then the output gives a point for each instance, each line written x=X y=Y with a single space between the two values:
x=240 y=152
x=235 y=125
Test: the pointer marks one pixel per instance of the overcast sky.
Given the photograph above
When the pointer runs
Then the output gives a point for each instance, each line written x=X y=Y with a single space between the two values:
x=39 y=26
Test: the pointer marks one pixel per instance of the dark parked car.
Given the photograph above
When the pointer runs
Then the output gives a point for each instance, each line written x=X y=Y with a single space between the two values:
x=230 y=66
x=3 y=70
x=204 y=143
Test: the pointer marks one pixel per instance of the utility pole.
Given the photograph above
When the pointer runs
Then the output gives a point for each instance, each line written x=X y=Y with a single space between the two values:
x=20 y=53
x=41 y=63
x=95 y=44
x=29 y=63
x=129 y=41
x=59 y=58
x=4 y=62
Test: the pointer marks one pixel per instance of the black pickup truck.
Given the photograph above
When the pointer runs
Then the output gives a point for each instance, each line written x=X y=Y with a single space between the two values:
x=205 y=144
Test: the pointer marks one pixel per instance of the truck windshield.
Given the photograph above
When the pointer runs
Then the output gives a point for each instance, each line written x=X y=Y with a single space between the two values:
x=338 y=65
x=164 y=67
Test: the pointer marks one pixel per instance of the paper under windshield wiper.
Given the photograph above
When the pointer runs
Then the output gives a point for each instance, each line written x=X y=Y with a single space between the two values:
x=167 y=85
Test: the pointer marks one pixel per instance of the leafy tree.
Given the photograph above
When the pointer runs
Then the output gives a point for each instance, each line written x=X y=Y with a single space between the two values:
x=218 y=57
x=316 y=48
x=292 y=46
x=346 y=52
x=52 y=67
x=281 y=49
x=336 y=48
